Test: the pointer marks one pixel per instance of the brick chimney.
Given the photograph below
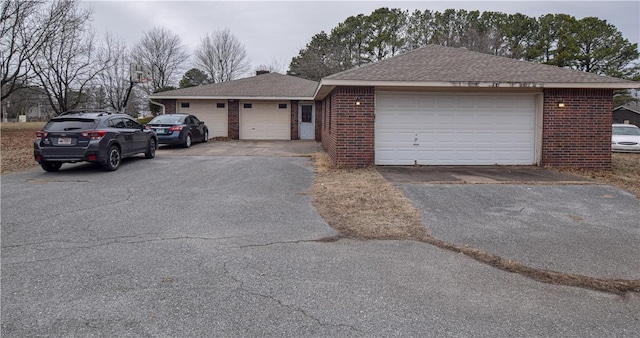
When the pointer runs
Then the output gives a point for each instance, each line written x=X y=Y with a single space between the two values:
x=260 y=72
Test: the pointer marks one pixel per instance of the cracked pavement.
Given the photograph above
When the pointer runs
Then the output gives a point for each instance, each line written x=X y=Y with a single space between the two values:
x=196 y=246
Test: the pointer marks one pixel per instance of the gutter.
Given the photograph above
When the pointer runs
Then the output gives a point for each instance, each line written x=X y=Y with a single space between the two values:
x=164 y=109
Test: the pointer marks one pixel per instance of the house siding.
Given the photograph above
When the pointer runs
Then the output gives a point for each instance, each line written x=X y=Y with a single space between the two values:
x=578 y=134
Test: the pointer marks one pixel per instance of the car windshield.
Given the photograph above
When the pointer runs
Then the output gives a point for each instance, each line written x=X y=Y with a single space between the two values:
x=167 y=119
x=626 y=131
x=70 y=124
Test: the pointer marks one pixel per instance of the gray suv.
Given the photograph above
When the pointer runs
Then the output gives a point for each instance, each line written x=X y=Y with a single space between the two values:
x=101 y=137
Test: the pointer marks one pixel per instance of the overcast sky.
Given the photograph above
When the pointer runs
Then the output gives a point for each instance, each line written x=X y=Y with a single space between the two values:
x=274 y=31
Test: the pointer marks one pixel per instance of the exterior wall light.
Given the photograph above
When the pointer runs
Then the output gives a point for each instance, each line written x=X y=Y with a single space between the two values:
x=560 y=104
x=357 y=101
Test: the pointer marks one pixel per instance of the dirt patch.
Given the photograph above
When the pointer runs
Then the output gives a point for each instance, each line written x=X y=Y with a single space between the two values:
x=16 y=148
x=361 y=204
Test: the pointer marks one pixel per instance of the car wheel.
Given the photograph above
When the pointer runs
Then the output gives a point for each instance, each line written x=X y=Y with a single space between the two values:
x=206 y=136
x=151 y=149
x=187 y=141
x=51 y=166
x=113 y=159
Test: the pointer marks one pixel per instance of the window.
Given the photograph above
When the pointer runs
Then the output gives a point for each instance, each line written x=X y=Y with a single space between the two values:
x=117 y=123
x=131 y=124
x=282 y=106
x=307 y=114
x=220 y=105
x=184 y=104
x=195 y=120
x=248 y=105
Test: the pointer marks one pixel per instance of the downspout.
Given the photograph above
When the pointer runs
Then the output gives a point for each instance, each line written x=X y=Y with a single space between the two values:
x=159 y=104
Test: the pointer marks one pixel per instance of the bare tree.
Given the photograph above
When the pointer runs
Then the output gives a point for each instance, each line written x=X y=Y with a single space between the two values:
x=115 y=80
x=222 y=56
x=274 y=66
x=162 y=53
x=66 y=64
x=25 y=26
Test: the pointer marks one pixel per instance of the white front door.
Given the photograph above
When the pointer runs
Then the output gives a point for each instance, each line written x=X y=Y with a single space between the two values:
x=306 y=118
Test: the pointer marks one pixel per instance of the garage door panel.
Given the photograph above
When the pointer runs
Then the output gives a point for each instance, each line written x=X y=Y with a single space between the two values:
x=216 y=119
x=265 y=121
x=458 y=129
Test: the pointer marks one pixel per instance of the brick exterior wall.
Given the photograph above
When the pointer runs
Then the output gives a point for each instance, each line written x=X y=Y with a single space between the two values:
x=578 y=134
x=318 y=126
x=295 y=135
x=234 y=119
x=170 y=106
x=348 y=136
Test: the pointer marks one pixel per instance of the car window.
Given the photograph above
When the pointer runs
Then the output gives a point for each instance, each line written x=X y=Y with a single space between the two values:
x=70 y=124
x=166 y=119
x=117 y=123
x=131 y=124
x=626 y=131
x=195 y=120
x=188 y=120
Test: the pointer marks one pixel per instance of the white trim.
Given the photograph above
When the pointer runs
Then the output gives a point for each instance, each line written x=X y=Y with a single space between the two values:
x=478 y=84
x=260 y=98
x=313 y=118
x=539 y=128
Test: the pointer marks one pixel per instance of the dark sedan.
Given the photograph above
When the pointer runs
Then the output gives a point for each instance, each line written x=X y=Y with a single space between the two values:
x=180 y=129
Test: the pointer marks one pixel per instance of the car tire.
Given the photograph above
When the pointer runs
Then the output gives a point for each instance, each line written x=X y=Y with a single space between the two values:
x=51 y=166
x=206 y=136
x=151 y=149
x=187 y=141
x=114 y=158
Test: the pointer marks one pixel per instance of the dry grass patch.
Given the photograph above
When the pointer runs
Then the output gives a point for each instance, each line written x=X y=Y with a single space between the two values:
x=16 y=148
x=624 y=173
x=360 y=203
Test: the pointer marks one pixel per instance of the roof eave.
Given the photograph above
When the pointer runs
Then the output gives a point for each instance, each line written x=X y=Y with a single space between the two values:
x=478 y=84
x=265 y=98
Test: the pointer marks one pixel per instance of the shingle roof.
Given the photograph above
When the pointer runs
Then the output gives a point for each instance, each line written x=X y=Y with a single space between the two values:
x=265 y=86
x=461 y=67
x=635 y=109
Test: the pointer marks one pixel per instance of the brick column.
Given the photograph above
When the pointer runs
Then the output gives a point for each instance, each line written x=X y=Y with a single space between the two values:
x=234 y=119
x=295 y=135
x=354 y=126
x=578 y=134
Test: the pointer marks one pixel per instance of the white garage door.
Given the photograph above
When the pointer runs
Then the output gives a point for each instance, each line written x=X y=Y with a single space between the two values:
x=214 y=114
x=265 y=120
x=454 y=129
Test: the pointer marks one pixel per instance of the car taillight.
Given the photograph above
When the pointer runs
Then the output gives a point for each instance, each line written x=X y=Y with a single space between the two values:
x=94 y=135
x=41 y=134
x=175 y=128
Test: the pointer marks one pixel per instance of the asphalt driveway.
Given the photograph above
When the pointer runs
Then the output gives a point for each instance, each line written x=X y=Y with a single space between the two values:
x=196 y=246
x=541 y=218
